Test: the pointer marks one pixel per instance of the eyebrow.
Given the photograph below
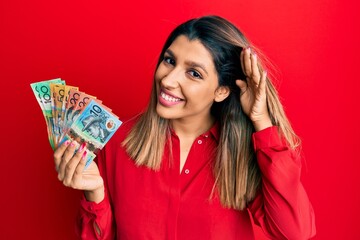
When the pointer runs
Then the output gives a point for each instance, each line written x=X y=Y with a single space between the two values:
x=189 y=63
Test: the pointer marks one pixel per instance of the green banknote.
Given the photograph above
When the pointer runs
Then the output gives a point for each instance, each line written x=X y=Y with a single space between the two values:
x=44 y=97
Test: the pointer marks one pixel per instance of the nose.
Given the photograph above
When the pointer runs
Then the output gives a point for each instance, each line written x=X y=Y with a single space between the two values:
x=171 y=79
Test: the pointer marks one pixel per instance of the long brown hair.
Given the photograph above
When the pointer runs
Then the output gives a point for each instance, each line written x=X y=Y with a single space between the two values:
x=236 y=171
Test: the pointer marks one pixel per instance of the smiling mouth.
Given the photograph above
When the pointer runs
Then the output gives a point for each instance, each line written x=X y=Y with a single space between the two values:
x=169 y=98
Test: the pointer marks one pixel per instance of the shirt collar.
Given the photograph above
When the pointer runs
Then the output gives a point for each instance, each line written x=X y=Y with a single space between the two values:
x=214 y=131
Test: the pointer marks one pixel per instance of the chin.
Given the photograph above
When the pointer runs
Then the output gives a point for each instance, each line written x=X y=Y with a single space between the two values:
x=165 y=113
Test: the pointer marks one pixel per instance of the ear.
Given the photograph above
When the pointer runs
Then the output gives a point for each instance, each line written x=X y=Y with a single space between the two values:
x=221 y=93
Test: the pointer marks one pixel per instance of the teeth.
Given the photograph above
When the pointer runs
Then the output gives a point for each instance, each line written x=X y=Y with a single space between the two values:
x=169 y=98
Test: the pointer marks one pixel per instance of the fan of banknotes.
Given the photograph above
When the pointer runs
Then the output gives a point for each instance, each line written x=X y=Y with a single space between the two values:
x=74 y=115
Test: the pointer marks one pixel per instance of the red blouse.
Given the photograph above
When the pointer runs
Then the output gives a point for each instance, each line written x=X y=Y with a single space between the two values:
x=141 y=203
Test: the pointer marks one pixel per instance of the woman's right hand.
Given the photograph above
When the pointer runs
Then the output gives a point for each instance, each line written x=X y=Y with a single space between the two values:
x=71 y=171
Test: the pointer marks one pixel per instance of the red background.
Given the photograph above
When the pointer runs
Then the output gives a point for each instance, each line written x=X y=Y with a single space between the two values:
x=109 y=49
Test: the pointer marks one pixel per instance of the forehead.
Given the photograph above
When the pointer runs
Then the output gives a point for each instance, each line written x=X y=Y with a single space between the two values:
x=191 y=50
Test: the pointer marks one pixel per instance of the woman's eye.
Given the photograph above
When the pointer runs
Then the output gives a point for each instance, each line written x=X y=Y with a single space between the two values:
x=195 y=74
x=169 y=60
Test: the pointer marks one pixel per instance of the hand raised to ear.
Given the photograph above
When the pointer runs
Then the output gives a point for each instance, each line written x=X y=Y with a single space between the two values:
x=253 y=91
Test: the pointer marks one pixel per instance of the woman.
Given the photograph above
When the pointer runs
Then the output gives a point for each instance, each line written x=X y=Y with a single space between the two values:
x=213 y=146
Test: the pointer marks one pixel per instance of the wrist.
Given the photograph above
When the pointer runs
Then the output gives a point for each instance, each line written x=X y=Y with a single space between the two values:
x=96 y=195
x=261 y=125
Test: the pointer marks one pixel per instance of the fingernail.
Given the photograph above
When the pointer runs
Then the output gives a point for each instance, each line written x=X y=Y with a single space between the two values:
x=248 y=49
x=82 y=146
x=254 y=55
x=84 y=155
x=67 y=142
x=265 y=72
x=73 y=143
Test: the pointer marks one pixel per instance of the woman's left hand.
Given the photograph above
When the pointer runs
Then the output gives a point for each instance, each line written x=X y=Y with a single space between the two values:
x=253 y=91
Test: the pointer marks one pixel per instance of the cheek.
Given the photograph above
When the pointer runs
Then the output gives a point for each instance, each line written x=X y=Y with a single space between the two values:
x=205 y=91
x=201 y=95
x=160 y=73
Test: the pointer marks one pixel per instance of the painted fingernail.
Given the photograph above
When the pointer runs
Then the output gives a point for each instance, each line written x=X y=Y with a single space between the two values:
x=73 y=143
x=84 y=155
x=254 y=55
x=67 y=142
x=82 y=147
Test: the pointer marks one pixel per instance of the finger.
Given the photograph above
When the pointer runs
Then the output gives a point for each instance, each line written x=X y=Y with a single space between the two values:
x=77 y=176
x=59 y=152
x=242 y=60
x=72 y=164
x=255 y=74
x=242 y=85
x=262 y=84
x=247 y=62
x=68 y=154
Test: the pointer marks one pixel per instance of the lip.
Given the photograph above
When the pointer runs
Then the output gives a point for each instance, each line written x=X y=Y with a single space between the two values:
x=165 y=102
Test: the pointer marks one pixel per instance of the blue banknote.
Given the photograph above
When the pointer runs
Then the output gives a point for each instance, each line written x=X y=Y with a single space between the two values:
x=95 y=126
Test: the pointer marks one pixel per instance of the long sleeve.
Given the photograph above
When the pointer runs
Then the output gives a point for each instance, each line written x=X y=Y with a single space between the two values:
x=95 y=220
x=282 y=207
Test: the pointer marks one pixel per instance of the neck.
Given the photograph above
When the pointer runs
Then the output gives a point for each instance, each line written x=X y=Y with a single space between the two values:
x=190 y=127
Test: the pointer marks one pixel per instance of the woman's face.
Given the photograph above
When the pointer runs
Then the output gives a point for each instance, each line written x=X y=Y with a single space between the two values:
x=186 y=81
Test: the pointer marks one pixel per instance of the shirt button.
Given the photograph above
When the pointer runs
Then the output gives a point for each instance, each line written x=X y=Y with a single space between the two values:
x=187 y=171
x=199 y=142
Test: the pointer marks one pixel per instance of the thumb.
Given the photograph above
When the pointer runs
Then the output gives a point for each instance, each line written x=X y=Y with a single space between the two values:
x=242 y=85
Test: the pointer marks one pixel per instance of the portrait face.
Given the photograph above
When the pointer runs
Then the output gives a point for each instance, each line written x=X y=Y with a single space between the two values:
x=94 y=129
x=186 y=81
